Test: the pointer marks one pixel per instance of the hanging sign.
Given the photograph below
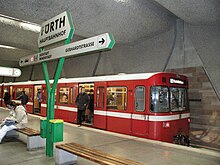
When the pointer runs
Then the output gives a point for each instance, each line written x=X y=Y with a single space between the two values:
x=10 y=72
x=56 y=29
x=98 y=43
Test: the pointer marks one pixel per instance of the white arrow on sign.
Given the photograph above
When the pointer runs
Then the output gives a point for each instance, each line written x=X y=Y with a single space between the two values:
x=10 y=72
x=98 y=43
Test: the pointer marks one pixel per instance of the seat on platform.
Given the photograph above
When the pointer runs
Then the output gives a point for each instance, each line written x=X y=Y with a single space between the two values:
x=67 y=153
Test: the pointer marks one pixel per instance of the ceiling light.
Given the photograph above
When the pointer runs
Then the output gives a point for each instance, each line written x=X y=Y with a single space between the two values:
x=122 y=1
x=20 y=23
x=7 y=47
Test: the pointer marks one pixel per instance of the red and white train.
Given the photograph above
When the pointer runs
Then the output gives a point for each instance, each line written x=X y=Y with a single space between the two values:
x=148 y=105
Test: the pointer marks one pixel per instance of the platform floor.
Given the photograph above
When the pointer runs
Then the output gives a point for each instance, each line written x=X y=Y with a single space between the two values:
x=149 y=152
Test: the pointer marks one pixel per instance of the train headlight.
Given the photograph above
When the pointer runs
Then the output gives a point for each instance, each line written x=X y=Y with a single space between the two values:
x=166 y=124
x=189 y=120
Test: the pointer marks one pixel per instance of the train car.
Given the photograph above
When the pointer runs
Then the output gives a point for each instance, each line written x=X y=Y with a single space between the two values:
x=148 y=105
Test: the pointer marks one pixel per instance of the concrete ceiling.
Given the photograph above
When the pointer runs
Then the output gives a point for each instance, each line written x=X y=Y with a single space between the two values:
x=130 y=21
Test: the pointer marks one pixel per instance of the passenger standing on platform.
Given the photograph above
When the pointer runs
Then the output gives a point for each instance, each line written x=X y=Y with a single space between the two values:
x=39 y=97
x=24 y=99
x=82 y=101
x=91 y=105
x=7 y=98
x=13 y=122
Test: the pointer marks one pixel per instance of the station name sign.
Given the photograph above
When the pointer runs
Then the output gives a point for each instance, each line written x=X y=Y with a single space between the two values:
x=56 y=29
x=98 y=43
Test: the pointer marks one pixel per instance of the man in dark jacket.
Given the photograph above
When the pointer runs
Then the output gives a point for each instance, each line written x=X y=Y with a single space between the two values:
x=24 y=99
x=82 y=101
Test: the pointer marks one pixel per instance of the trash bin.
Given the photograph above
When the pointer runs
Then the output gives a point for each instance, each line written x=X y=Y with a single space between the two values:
x=43 y=127
x=56 y=130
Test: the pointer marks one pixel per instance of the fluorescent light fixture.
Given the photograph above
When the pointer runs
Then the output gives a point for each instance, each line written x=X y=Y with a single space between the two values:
x=7 y=47
x=10 y=72
x=20 y=23
x=121 y=1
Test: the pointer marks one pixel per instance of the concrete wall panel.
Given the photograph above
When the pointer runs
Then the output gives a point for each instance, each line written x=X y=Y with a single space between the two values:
x=206 y=41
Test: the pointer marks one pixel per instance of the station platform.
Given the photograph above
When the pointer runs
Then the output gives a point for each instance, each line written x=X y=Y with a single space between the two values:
x=149 y=152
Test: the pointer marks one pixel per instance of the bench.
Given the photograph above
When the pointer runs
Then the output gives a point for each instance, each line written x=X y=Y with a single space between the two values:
x=67 y=154
x=29 y=136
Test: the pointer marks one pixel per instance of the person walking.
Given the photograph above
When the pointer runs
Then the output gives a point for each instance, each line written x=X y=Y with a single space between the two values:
x=24 y=99
x=82 y=101
x=13 y=122
x=39 y=99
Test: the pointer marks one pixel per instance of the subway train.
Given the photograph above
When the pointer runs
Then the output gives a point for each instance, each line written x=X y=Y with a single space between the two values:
x=148 y=105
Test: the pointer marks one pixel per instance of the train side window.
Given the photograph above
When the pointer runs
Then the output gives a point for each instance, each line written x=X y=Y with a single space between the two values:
x=159 y=99
x=18 y=91
x=29 y=93
x=117 y=98
x=140 y=98
x=44 y=95
x=73 y=95
x=63 y=95
x=100 y=97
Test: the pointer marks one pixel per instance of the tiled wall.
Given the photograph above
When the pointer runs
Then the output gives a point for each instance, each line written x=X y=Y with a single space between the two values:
x=204 y=108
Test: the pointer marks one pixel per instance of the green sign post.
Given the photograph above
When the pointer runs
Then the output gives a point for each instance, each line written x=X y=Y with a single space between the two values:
x=54 y=30
x=64 y=19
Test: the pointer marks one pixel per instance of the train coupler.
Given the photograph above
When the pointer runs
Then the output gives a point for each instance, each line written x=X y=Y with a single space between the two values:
x=181 y=140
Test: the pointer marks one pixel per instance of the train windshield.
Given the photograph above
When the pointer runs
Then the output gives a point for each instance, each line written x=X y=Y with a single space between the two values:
x=159 y=99
x=178 y=99
x=162 y=96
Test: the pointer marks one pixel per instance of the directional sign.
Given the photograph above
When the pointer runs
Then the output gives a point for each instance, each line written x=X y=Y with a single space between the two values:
x=10 y=72
x=98 y=43
x=56 y=29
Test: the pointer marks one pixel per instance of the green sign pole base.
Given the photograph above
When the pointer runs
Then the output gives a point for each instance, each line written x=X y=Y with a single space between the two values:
x=50 y=103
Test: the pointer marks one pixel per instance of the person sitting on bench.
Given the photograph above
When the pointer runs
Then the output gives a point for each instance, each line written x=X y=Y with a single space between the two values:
x=13 y=122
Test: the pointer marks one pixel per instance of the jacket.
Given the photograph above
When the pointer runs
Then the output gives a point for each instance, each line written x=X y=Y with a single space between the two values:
x=82 y=100
x=20 y=117
x=24 y=99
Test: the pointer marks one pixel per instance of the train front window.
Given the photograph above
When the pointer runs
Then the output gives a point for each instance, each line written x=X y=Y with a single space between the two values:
x=116 y=98
x=178 y=99
x=159 y=99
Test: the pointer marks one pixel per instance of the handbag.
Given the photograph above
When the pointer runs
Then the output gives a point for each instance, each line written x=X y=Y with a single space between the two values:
x=9 y=122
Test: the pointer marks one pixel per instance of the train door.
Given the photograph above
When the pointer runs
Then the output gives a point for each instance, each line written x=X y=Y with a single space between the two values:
x=88 y=116
x=100 y=114
x=139 y=116
x=43 y=109
x=37 y=99
x=72 y=117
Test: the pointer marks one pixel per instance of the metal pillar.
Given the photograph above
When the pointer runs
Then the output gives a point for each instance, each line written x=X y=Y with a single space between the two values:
x=50 y=100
